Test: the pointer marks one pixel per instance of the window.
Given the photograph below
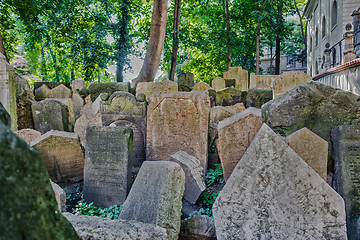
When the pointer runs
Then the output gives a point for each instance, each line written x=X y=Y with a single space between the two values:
x=310 y=44
x=316 y=37
x=334 y=14
x=323 y=30
x=316 y=68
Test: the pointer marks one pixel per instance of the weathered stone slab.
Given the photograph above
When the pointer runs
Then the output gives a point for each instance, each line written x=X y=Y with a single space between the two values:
x=78 y=85
x=311 y=148
x=213 y=132
x=62 y=155
x=107 y=171
x=60 y=196
x=258 y=97
x=183 y=88
x=28 y=135
x=201 y=227
x=201 y=86
x=50 y=115
x=346 y=143
x=186 y=78
x=23 y=108
x=274 y=194
x=230 y=83
x=70 y=110
x=238 y=107
x=227 y=97
x=60 y=92
x=219 y=113
x=261 y=80
x=194 y=175
x=155 y=196
x=50 y=85
x=85 y=121
x=78 y=103
x=95 y=89
x=4 y=116
x=97 y=228
x=218 y=83
x=28 y=205
x=240 y=75
x=287 y=81
x=235 y=136
x=177 y=121
x=148 y=88
x=263 y=87
x=42 y=92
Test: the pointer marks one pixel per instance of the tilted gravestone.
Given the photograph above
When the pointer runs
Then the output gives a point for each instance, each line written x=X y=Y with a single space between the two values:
x=155 y=196
x=346 y=143
x=273 y=194
x=70 y=111
x=186 y=79
x=240 y=75
x=258 y=97
x=287 y=81
x=238 y=107
x=62 y=154
x=177 y=121
x=78 y=103
x=219 y=113
x=77 y=85
x=107 y=173
x=148 y=88
x=24 y=114
x=50 y=115
x=226 y=97
x=28 y=135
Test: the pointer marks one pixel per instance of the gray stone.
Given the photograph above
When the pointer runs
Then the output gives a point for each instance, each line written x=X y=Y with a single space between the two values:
x=107 y=171
x=60 y=92
x=23 y=108
x=186 y=78
x=97 y=228
x=50 y=85
x=78 y=85
x=155 y=196
x=346 y=144
x=70 y=111
x=274 y=194
x=60 y=196
x=201 y=227
x=42 y=93
x=4 y=116
x=213 y=133
x=86 y=120
x=148 y=88
x=50 y=115
x=219 y=113
x=226 y=97
x=78 y=103
x=194 y=175
x=95 y=89
x=258 y=97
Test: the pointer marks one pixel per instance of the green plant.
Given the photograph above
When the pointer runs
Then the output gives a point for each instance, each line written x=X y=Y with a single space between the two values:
x=214 y=175
x=75 y=196
x=89 y=209
x=208 y=199
x=201 y=211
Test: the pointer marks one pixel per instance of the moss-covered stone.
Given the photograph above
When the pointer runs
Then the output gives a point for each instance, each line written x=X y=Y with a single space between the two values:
x=258 y=97
x=96 y=89
x=4 y=116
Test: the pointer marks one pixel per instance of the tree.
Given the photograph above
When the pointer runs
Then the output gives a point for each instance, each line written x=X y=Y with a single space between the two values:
x=175 y=46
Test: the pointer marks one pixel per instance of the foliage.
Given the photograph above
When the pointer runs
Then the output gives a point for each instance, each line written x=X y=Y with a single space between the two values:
x=208 y=199
x=84 y=208
x=201 y=211
x=214 y=175
x=75 y=196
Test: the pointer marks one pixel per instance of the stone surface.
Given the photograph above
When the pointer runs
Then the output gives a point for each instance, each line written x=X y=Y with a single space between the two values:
x=287 y=81
x=315 y=106
x=274 y=194
x=97 y=228
x=240 y=75
x=235 y=136
x=213 y=132
x=201 y=86
x=194 y=175
x=201 y=227
x=23 y=108
x=28 y=135
x=311 y=148
x=28 y=205
x=85 y=121
x=78 y=85
x=95 y=89
x=60 y=92
x=186 y=78
x=219 y=113
x=62 y=155
x=177 y=121
x=183 y=88
x=230 y=83
x=21 y=84
x=78 y=103
x=263 y=87
x=50 y=85
x=70 y=111
x=148 y=88
x=155 y=196
x=346 y=144
x=238 y=107
x=258 y=97
x=107 y=171
x=227 y=97
x=60 y=196
x=4 y=116
x=218 y=83
x=42 y=92
x=261 y=80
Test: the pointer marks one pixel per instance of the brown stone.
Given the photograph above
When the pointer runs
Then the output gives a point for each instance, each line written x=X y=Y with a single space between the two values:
x=28 y=135
x=263 y=87
x=218 y=83
x=149 y=87
x=201 y=86
x=261 y=80
x=235 y=136
x=238 y=107
x=78 y=103
x=311 y=148
x=240 y=75
x=70 y=109
x=78 y=85
x=85 y=121
x=42 y=92
x=287 y=81
x=60 y=92
x=219 y=113
x=24 y=114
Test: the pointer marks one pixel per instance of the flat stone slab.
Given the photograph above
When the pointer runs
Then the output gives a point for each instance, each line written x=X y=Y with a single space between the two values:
x=219 y=113
x=218 y=83
x=240 y=75
x=273 y=194
x=148 y=88
x=287 y=81
x=28 y=135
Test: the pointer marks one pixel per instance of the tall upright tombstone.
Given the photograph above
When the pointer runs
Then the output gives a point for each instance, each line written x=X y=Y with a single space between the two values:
x=346 y=144
x=107 y=172
x=186 y=78
x=218 y=83
x=241 y=77
x=177 y=121
x=287 y=81
x=8 y=90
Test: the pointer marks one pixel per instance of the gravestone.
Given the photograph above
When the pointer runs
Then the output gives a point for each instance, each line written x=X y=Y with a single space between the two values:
x=78 y=103
x=148 y=88
x=85 y=121
x=261 y=80
x=28 y=135
x=60 y=196
x=42 y=92
x=62 y=155
x=229 y=96
x=274 y=194
x=287 y=81
x=240 y=75
x=238 y=107
x=219 y=113
x=155 y=196
x=107 y=173
x=194 y=175
x=200 y=227
x=346 y=143
x=311 y=148
x=78 y=85
x=70 y=111
x=95 y=89
x=60 y=92
x=258 y=97
x=50 y=115
x=177 y=121
x=4 y=116
x=263 y=87
x=186 y=78
x=230 y=83
x=50 y=85
x=218 y=83
x=201 y=86
x=235 y=136
x=24 y=114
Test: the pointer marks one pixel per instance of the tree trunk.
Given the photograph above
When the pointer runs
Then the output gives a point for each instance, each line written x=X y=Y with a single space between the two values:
x=228 y=29
x=2 y=49
x=258 y=27
x=176 y=24
x=156 y=43
x=303 y=31
x=278 y=39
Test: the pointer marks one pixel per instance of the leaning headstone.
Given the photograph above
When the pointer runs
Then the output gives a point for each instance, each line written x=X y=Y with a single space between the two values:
x=235 y=136
x=148 y=88
x=60 y=92
x=60 y=196
x=50 y=85
x=186 y=78
x=177 y=121
x=184 y=88
x=70 y=111
x=201 y=86
x=78 y=103
x=200 y=227
x=287 y=81
x=42 y=92
x=28 y=135
x=258 y=97
x=240 y=75
x=95 y=89
x=28 y=206
x=155 y=196
x=78 y=85
x=219 y=113
x=85 y=121
x=238 y=107
x=107 y=172
x=218 y=83
x=62 y=154
x=50 y=115
x=194 y=175
x=346 y=143
x=311 y=148
x=274 y=194
x=23 y=105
